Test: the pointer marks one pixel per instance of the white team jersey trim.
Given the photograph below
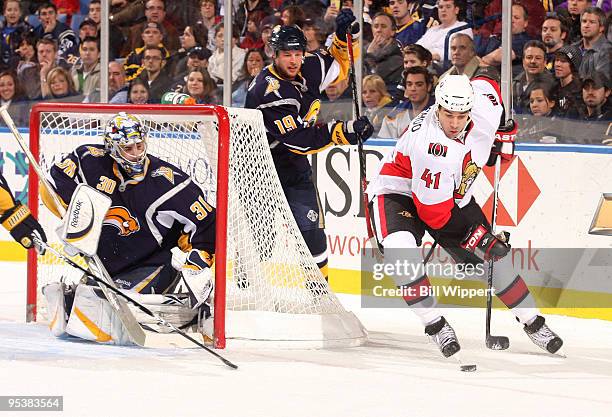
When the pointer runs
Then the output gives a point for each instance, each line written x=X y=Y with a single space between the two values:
x=332 y=74
x=151 y=210
x=289 y=101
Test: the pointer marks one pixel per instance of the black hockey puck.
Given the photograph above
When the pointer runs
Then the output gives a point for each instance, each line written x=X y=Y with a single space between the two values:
x=468 y=368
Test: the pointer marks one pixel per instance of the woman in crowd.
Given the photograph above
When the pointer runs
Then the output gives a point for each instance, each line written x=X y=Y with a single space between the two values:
x=12 y=28
x=138 y=92
x=254 y=61
x=58 y=85
x=201 y=87
x=13 y=97
x=192 y=37
x=376 y=99
x=215 y=63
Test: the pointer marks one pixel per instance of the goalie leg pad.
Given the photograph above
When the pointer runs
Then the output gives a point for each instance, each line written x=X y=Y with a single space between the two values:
x=93 y=318
x=54 y=293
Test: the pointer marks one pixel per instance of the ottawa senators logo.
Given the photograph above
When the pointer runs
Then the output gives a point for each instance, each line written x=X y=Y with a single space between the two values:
x=470 y=172
x=122 y=219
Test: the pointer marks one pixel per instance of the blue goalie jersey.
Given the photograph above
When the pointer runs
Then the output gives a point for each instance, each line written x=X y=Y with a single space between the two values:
x=150 y=214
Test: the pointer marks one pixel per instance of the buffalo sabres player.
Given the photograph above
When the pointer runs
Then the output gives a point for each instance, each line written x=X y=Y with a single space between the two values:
x=155 y=207
x=17 y=219
x=425 y=184
x=289 y=92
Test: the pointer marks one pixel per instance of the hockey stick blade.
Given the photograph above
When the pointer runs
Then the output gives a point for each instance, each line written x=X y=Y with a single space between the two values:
x=497 y=342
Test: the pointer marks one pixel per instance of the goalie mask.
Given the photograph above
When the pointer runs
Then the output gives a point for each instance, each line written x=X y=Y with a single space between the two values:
x=122 y=132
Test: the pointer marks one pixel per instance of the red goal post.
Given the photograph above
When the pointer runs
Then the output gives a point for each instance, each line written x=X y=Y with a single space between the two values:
x=268 y=254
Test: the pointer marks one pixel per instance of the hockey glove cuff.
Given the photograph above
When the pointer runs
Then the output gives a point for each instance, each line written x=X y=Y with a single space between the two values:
x=348 y=133
x=23 y=227
x=504 y=144
x=485 y=245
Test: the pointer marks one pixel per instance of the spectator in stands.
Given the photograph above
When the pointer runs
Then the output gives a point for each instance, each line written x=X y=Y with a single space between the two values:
x=11 y=96
x=568 y=89
x=151 y=36
x=434 y=37
x=215 y=63
x=595 y=47
x=197 y=58
x=313 y=34
x=154 y=74
x=575 y=9
x=256 y=10
x=338 y=104
x=384 y=56
x=534 y=70
x=493 y=52
x=86 y=72
x=117 y=85
x=67 y=7
x=12 y=29
x=51 y=28
x=155 y=12
x=409 y=26
x=542 y=100
x=209 y=19
x=293 y=15
x=87 y=29
x=254 y=61
x=59 y=85
x=28 y=62
x=266 y=31
x=376 y=99
x=596 y=97
x=116 y=37
x=416 y=56
x=418 y=86
x=463 y=56
x=138 y=92
x=202 y=87
x=554 y=34
x=192 y=37
x=251 y=38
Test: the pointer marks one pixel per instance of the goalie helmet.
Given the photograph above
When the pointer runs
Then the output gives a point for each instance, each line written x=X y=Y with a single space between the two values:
x=455 y=93
x=288 y=38
x=121 y=131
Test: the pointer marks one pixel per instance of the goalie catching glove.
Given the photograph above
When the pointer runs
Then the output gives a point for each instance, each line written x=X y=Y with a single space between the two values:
x=349 y=132
x=23 y=227
x=485 y=245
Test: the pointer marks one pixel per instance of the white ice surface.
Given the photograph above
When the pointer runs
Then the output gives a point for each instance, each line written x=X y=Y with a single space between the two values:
x=398 y=373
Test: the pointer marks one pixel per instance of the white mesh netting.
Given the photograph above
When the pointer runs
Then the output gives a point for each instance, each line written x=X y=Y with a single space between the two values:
x=269 y=267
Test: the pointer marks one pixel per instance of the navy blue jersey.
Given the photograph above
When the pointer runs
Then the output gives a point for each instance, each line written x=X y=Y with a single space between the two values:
x=149 y=215
x=290 y=109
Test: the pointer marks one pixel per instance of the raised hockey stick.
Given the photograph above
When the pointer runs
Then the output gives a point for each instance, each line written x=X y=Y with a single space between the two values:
x=141 y=307
x=132 y=326
x=362 y=157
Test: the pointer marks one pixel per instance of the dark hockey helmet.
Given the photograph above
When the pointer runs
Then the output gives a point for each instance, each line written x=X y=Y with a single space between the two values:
x=288 y=38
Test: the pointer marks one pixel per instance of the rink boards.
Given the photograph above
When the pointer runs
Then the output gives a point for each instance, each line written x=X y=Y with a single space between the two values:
x=548 y=196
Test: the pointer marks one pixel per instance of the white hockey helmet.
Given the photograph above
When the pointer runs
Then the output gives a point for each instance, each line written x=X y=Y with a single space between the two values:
x=455 y=93
x=124 y=130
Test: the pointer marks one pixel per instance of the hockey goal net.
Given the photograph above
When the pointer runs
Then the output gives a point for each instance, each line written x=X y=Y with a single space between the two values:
x=268 y=287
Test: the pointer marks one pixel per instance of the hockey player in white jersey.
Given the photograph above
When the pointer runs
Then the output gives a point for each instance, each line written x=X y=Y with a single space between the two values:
x=425 y=184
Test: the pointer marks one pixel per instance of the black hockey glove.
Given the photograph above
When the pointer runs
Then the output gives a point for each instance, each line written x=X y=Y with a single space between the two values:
x=361 y=127
x=343 y=22
x=505 y=138
x=485 y=245
x=23 y=226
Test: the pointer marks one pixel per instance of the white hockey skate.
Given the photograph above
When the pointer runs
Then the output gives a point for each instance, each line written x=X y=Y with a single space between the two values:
x=443 y=335
x=541 y=335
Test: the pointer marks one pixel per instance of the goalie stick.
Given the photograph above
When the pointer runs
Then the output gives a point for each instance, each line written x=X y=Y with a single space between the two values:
x=114 y=290
x=133 y=328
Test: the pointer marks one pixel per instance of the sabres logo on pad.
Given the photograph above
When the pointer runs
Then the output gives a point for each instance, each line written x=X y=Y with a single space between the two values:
x=121 y=218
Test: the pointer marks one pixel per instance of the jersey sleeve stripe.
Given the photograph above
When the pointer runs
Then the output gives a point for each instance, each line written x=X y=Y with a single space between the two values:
x=493 y=84
x=283 y=102
x=434 y=215
x=400 y=167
